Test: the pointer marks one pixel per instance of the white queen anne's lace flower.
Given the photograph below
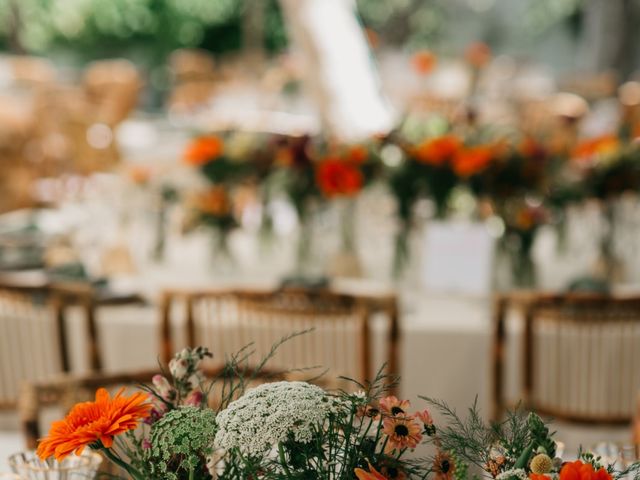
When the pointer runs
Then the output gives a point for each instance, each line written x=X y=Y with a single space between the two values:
x=268 y=414
x=518 y=473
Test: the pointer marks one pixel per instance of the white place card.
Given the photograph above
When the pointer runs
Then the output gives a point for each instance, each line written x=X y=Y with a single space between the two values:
x=458 y=257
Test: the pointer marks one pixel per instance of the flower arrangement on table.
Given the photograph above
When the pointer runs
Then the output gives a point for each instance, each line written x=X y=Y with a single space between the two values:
x=279 y=430
x=297 y=430
x=525 y=178
x=433 y=168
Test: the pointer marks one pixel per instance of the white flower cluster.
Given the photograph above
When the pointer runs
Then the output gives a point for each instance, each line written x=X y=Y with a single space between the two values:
x=268 y=414
x=513 y=473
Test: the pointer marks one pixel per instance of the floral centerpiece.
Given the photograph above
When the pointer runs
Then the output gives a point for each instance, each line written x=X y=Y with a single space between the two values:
x=179 y=428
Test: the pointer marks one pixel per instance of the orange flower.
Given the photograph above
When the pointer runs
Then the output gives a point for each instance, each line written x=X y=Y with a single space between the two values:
x=438 y=151
x=472 y=160
x=391 y=406
x=372 y=474
x=90 y=422
x=139 y=174
x=357 y=154
x=603 y=145
x=336 y=177
x=203 y=150
x=539 y=476
x=424 y=62
x=214 y=201
x=477 y=54
x=402 y=432
x=579 y=470
x=443 y=466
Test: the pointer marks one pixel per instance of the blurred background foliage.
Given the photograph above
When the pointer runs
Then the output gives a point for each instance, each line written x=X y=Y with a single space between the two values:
x=102 y=28
x=554 y=32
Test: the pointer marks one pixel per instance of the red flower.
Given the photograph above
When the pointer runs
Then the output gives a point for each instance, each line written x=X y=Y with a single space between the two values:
x=437 y=151
x=579 y=470
x=336 y=177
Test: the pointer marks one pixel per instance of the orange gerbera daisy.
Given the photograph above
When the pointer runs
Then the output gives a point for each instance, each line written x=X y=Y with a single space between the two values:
x=437 y=151
x=472 y=160
x=579 y=470
x=203 y=150
x=372 y=474
x=91 y=422
x=391 y=406
x=402 y=432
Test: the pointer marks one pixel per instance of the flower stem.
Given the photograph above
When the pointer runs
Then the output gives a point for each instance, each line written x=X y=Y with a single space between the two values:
x=283 y=460
x=118 y=461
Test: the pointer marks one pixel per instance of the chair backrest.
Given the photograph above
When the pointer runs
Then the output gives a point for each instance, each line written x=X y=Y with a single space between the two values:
x=32 y=345
x=581 y=357
x=34 y=340
x=338 y=341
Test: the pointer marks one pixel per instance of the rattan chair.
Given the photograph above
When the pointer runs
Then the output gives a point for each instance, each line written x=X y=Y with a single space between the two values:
x=339 y=340
x=580 y=356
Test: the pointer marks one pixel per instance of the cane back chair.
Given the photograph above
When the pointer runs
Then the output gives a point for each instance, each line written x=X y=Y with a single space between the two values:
x=338 y=327
x=580 y=356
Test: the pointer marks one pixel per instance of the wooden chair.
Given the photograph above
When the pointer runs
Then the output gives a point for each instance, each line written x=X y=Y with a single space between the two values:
x=580 y=356
x=340 y=340
x=33 y=330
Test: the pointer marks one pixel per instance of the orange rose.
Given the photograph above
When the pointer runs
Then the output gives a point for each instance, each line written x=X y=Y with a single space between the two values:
x=477 y=54
x=424 y=62
x=438 y=151
x=203 y=150
x=472 y=160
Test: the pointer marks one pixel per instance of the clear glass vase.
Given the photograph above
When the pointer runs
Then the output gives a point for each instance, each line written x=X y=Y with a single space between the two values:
x=29 y=466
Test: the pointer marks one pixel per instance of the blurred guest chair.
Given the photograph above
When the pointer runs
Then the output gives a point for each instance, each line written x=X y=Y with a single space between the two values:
x=34 y=337
x=339 y=341
x=581 y=356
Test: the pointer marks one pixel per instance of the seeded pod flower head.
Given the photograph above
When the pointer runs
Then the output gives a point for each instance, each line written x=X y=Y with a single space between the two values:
x=181 y=441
